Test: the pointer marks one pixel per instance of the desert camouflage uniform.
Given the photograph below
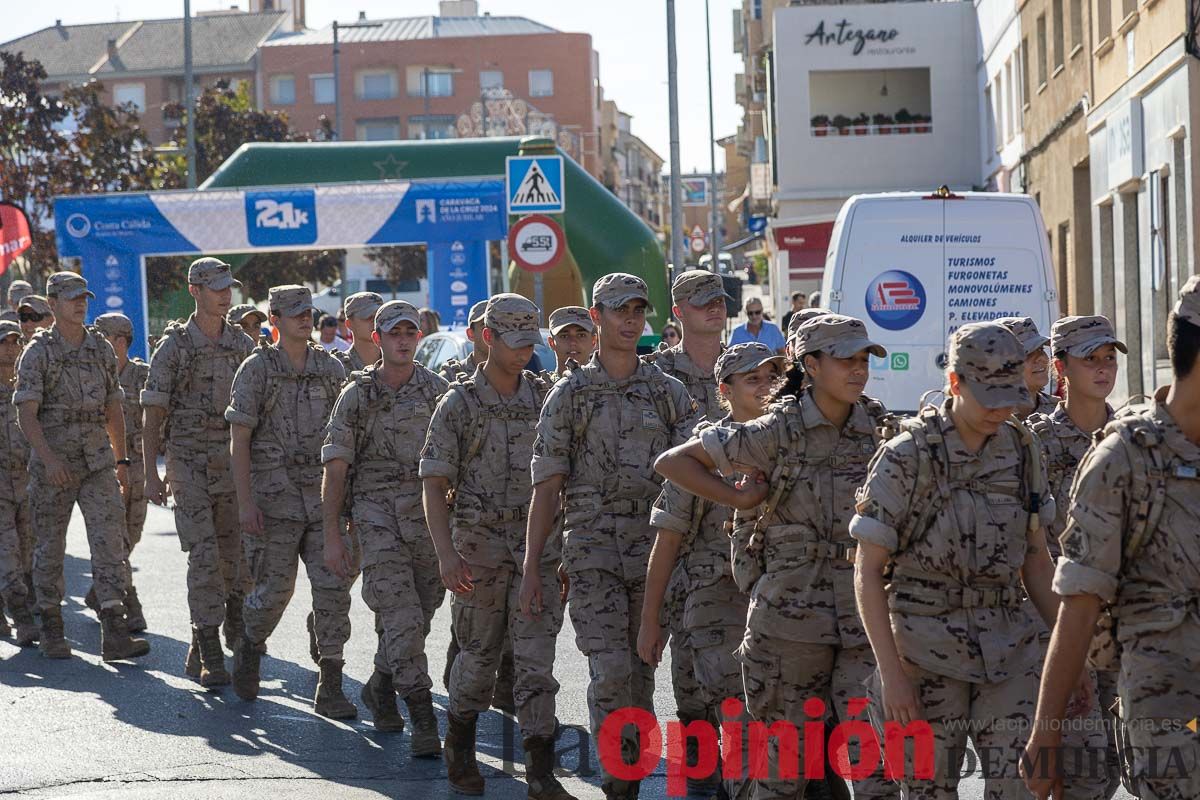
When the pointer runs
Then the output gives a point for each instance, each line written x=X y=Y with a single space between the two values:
x=375 y=429
x=287 y=411
x=72 y=387
x=16 y=533
x=803 y=637
x=133 y=380
x=1045 y=405
x=482 y=444
x=963 y=625
x=351 y=361
x=190 y=377
x=1154 y=593
x=603 y=435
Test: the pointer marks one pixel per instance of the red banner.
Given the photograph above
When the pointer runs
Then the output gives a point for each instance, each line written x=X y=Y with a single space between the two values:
x=14 y=234
x=806 y=246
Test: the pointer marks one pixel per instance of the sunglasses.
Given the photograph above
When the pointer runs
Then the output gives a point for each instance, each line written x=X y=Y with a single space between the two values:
x=754 y=313
x=29 y=316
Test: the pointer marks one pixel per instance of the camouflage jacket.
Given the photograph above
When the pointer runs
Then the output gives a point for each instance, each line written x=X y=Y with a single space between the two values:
x=459 y=370
x=14 y=450
x=133 y=380
x=701 y=384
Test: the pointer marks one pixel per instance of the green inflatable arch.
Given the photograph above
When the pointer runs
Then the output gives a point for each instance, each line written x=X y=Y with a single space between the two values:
x=602 y=234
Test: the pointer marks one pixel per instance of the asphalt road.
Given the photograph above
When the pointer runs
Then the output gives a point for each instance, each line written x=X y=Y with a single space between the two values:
x=84 y=729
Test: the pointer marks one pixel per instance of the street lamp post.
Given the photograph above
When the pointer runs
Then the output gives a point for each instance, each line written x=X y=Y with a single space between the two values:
x=673 y=110
x=714 y=237
x=189 y=102
x=337 y=72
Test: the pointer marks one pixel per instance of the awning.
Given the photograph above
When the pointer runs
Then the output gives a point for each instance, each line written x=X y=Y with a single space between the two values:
x=806 y=246
x=741 y=242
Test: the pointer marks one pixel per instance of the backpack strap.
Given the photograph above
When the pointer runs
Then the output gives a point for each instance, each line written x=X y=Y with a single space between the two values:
x=466 y=390
x=932 y=488
x=1148 y=478
x=785 y=475
x=1031 y=470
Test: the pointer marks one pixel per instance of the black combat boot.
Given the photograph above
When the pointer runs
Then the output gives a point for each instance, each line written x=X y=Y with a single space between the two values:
x=539 y=770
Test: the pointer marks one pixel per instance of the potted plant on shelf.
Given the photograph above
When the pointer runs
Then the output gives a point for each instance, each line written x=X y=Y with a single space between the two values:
x=842 y=123
x=820 y=125
x=923 y=123
x=903 y=121
x=883 y=123
x=861 y=125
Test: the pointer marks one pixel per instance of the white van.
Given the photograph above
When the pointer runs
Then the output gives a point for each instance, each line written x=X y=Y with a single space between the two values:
x=915 y=267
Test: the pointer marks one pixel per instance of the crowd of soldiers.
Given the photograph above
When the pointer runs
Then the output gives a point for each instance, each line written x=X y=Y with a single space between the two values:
x=785 y=534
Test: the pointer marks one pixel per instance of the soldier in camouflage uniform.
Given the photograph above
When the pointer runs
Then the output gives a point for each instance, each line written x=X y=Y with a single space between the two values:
x=191 y=372
x=1131 y=540
x=572 y=338
x=454 y=369
x=1037 y=364
x=248 y=318
x=803 y=637
x=600 y=430
x=378 y=416
x=798 y=319
x=69 y=408
x=131 y=373
x=16 y=534
x=1085 y=351
x=480 y=441
x=17 y=291
x=693 y=531
x=281 y=399
x=954 y=512
x=360 y=311
x=34 y=315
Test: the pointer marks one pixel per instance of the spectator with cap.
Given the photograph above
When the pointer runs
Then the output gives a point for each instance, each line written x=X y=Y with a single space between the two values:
x=799 y=303
x=758 y=329
x=249 y=318
x=327 y=335
x=34 y=314
x=572 y=337
x=1037 y=364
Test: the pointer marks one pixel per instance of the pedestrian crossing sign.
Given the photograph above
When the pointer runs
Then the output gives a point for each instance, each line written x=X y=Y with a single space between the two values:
x=535 y=185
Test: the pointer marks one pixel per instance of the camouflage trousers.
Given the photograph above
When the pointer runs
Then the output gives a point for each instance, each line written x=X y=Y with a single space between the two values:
x=99 y=498
x=996 y=717
x=1106 y=699
x=16 y=552
x=403 y=586
x=210 y=534
x=1158 y=699
x=135 y=511
x=483 y=619
x=605 y=612
x=274 y=555
x=689 y=698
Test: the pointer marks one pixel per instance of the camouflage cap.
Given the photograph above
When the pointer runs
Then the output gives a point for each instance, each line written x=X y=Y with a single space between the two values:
x=67 y=285
x=1081 y=336
x=991 y=362
x=618 y=288
x=514 y=319
x=239 y=312
x=35 y=303
x=1187 y=307
x=393 y=312
x=744 y=357
x=114 y=324
x=698 y=287
x=1025 y=329
x=362 y=305
x=18 y=289
x=571 y=315
x=802 y=316
x=475 y=316
x=290 y=300
x=212 y=273
x=9 y=328
x=836 y=334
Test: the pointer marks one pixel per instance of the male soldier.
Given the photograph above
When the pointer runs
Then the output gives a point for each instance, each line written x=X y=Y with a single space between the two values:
x=191 y=372
x=17 y=291
x=1131 y=541
x=454 y=369
x=1037 y=364
x=69 y=408
x=34 y=314
x=480 y=441
x=281 y=399
x=249 y=318
x=360 y=311
x=1085 y=350
x=599 y=433
x=131 y=373
x=378 y=416
x=572 y=337
x=16 y=535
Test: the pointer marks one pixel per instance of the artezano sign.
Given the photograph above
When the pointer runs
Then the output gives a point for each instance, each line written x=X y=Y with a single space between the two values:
x=844 y=33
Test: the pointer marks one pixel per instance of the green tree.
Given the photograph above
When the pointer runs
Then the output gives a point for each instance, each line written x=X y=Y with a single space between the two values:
x=399 y=264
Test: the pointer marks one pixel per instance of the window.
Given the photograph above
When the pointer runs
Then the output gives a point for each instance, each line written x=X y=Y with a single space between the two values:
x=491 y=79
x=439 y=80
x=376 y=85
x=1076 y=23
x=283 y=89
x=133 y=94
x=1131 y=290
x=990 y=122
x=999 y=111
x=756 y=8
x=377 y=130
x=1012 y=113
x=1024 y=72
x=1064 y=261
x=541 y=83
x=1059 y=49
x=1042 y=55
x=441 y=84
x=1103 y=20
x=1163 y=296
x=322 y=89
x=1108 y=267
x=431 y=127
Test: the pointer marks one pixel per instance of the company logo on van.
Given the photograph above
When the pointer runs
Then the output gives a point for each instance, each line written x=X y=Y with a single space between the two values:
x=895 y=300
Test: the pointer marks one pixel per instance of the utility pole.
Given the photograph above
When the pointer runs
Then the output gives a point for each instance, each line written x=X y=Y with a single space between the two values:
x=189 y=100
x=714 y=235
x=676 y=249
x=337 y=70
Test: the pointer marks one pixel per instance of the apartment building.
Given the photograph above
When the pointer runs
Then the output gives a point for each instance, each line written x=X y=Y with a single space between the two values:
x=632 y=170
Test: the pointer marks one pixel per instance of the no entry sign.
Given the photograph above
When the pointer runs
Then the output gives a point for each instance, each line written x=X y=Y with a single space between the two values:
x=536 y=243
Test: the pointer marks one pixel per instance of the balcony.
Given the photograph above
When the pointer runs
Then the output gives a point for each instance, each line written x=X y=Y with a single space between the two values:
x=740 y=94
x=870 y=102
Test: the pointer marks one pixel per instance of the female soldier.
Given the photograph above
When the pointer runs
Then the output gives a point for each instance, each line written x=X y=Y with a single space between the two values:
x=714 y=614
x=1037 y=365
x=803 y=637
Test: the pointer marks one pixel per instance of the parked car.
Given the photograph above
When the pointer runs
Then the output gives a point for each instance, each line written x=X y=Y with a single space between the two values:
x=724 y=263
x=438 y=348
